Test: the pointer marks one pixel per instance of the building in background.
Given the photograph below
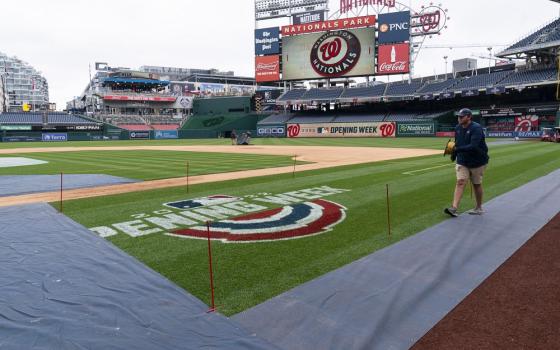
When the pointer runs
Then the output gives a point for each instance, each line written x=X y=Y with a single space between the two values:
x=152 y=96
x=3 y=93
x=24 y=87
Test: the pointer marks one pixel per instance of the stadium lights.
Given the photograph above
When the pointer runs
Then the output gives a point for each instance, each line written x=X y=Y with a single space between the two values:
x=266 y=9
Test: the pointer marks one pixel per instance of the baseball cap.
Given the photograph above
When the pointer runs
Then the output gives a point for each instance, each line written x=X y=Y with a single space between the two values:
x=464 y=112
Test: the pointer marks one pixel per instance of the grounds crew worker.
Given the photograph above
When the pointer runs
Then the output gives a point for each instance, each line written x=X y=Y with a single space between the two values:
x=471 y=153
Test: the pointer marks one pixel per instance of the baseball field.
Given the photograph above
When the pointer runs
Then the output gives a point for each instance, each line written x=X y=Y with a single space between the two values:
x=276 y=230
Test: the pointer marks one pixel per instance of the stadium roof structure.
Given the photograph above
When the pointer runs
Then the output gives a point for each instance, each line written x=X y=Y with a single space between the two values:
x=545 y=38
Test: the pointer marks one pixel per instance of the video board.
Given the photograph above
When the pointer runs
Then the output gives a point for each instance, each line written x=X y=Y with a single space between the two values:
x=331 y=54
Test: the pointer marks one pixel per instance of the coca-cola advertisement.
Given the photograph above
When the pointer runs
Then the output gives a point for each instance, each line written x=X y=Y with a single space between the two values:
x=393 y=59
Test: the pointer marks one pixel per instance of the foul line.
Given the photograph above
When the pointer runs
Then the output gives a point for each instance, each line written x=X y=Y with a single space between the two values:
x=418 y=171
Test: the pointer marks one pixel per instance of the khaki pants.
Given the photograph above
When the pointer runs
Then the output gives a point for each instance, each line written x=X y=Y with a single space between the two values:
x=474 y=174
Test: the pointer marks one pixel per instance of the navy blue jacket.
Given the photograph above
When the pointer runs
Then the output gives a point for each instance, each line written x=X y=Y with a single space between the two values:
x=471 y=147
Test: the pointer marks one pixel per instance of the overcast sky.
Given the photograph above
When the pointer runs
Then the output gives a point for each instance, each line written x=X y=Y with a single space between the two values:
x=62 y=37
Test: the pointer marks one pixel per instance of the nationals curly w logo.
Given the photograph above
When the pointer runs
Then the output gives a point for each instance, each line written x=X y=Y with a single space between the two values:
x=294 y=130
x=335 y=53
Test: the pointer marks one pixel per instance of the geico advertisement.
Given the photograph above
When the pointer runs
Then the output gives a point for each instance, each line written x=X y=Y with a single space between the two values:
x=342 y=130
x=337 y=53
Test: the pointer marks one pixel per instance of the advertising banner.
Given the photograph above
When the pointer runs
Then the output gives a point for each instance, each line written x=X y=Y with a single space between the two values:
x=339 y=53
x=393 y=59
x=529 y=134
x=166 y=134
x=271 y=130
x=507 y=134
x=21 y=139
x=267 y=41
x=64 y=128
x=337 y=24
x=184 y=102
x=382 y=129
x=267 y=68
x=136 y=135
x=416 y=129
x=15 y=127
x=470 y=93
x=211 y=88
x=394 y=27
x=446 y=95
x=241 y=90
x=527 y=123
x=498 y=90
x=308 y=17
x=503 y=112
x=179 y=88
x=427 y=97
x=268 y=97
x=52 y=137
x=138 y=98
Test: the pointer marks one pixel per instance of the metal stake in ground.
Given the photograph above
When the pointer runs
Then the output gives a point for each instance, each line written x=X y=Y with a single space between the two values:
x=61 y=192
x=213 y=307
x=388 y=211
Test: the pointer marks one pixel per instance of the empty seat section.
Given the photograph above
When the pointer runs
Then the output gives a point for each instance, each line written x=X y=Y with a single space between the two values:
x=295 y=94
x=364 y=92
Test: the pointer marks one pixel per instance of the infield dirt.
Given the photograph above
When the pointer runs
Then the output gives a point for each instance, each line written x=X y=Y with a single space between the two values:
x=320 y=157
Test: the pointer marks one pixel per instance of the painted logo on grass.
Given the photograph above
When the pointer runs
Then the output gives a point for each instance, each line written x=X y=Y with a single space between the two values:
x=201 y=202
x=288 y=222
x=261 y=217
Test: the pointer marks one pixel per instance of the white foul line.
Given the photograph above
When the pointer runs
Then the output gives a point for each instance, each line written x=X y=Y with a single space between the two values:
x=418 y=171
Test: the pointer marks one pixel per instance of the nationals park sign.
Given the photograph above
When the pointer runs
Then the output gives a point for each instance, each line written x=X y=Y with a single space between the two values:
x=383 y=129
x=262 y=217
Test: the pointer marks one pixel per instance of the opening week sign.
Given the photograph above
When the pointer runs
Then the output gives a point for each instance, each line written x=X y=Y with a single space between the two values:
x=387 y=129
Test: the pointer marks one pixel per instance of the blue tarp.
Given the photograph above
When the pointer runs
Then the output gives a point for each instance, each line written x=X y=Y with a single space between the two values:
x=12 y=185
x=62 y=287
x=390 y=299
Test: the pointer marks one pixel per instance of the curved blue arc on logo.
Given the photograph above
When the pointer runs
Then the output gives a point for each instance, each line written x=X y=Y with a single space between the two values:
x=300 y=211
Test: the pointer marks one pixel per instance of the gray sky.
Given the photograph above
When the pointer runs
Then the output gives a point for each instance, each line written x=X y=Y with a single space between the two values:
x=61 y=37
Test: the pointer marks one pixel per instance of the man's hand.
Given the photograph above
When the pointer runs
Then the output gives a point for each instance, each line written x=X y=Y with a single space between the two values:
x=454 y=154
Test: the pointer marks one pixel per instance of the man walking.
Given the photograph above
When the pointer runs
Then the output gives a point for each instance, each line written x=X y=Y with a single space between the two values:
x=471 y=153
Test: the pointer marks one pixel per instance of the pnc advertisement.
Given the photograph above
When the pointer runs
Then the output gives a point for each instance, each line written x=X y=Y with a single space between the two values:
x=394 y=27
x=338 y=53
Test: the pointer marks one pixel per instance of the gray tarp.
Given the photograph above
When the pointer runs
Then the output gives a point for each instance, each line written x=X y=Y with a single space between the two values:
x=390 y=299
x=62 y=287
x=11 y=185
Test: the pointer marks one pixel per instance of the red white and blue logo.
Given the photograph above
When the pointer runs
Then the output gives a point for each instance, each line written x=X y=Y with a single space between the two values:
x=289 y=222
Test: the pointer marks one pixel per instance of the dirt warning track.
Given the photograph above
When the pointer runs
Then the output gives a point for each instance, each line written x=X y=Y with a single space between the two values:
x=321 y=157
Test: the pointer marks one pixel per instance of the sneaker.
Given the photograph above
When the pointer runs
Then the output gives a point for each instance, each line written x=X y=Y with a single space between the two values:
x=451 y=212
x=476 y=211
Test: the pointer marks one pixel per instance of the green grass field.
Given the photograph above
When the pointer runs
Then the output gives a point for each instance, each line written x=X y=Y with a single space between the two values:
x=426 y=142
x=248 y=274
x=143 y=165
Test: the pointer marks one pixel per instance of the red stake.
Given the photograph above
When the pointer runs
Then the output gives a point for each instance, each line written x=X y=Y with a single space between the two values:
x=294 y=172
x=388 y=211
x=213 y=308
x=61 y=192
